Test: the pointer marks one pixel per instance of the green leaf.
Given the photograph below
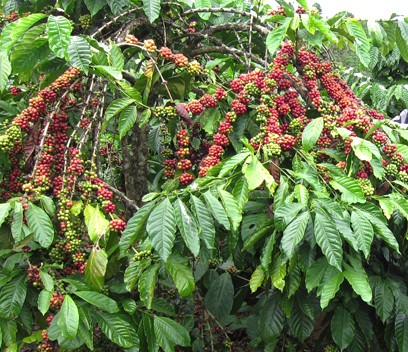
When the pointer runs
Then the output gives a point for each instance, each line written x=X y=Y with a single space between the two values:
x=300 y=324
x=117 y=329
x=203 y=4
x=328 y=239
x=40 y=223
x=79 y=53
x=363 y=231
x=361 y=43
x=96 y=223
x=255 y=173
x=44 y=301
x=135 y=228
x=68 y=320
x=151 y=9
x=59 y=34
x=351 y=191
x=312 y=133
x=232 y=162
x=219 y=297
x=109 y=71
x=47 y=280
x=127 y=119
x=383 y=300
x=169 y=333
x=205 y=221
x=85 y=329
x=116 y=57
x=342 y=327
x=241 y=192
x=285 y=214
x=257 y=279
x=95 y=269
x=4 y=211
x=133 y=93
x=330 y=288
x=161 y=227
x=94 y=6
x=181 y=274
x=99 y=300
x=275 y=37
x=294 y=234
x=12 y=297
x=147 y=285
x=315 y=273
x=231 y=206
x=5 y=69
x=324 y=28
x=402 y=38
x=401 y=331
x=217 y=210
x=48 y=205
x=358 y=279
x=116 y=107
x=271 y=320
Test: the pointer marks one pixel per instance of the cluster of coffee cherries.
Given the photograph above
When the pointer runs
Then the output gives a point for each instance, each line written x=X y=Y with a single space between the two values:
x=192 y=67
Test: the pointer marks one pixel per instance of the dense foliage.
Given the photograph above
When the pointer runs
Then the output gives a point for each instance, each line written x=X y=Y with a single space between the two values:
x=194 y=177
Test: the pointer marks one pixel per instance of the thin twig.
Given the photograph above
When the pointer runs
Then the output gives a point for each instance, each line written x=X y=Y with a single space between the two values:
x=129 y=203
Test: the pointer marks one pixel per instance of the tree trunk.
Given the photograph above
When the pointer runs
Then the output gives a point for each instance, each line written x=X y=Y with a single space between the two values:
x=135 y=169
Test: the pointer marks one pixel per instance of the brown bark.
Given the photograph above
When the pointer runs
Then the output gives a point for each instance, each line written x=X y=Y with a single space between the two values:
x=135 y=154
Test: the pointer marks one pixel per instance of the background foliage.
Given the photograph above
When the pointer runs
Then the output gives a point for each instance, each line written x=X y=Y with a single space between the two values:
x=197 y=176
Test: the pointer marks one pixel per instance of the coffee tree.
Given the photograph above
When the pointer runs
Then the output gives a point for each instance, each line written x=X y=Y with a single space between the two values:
x=196 y=177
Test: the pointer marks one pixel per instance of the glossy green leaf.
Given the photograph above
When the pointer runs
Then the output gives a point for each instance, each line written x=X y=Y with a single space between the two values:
x=99 y=300
x=402 y=38
x=312 y=133
x=95 y=269
x=44 y=301
x=96 y=223
x=161 y=227
x=217 y=210
x=351 y=191
x=39 y=221
x=328 y=239
x=271 y=320
x=257 y=278
x=342 y=327
x=330 y=288
x=294 y=234
x=12 y=297
x=205 y=222
x=188 y=227
x=116 y=329
x=135 y=228
x=275 y=37
x=147 y=285
x=94 y=6
x=358 y=279
x=4 y=211
x=361 y=43
x=5 y=69
x=232 y=162
x=68 y=318
x=401 y=331
x=170 y=333
x=117 y=106
x=232 y=208
x=151 y=9
x=79 y=53
x=363 y=231
x=182 y=275
x=127 y=119
x=219 y=297
x=59 y=34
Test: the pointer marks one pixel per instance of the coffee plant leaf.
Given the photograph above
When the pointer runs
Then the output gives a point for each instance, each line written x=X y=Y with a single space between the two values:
x=79 y=53
x=44 y=301
x=59 y=34
x=187 y=226
x=294 y=233
x=342 y=327
x=99 y=300
x=96 y=269
x=96 y=223
x=219 y=297
x=94 y=6
x=161 y=228
x=12 y=297
x=39 y=222
x=181 y=274
x=205 y=222
x=152 y=9
x=217 y=210
x=68 y=318
x=147 y=285
x=117 y=329
x=170 y=333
